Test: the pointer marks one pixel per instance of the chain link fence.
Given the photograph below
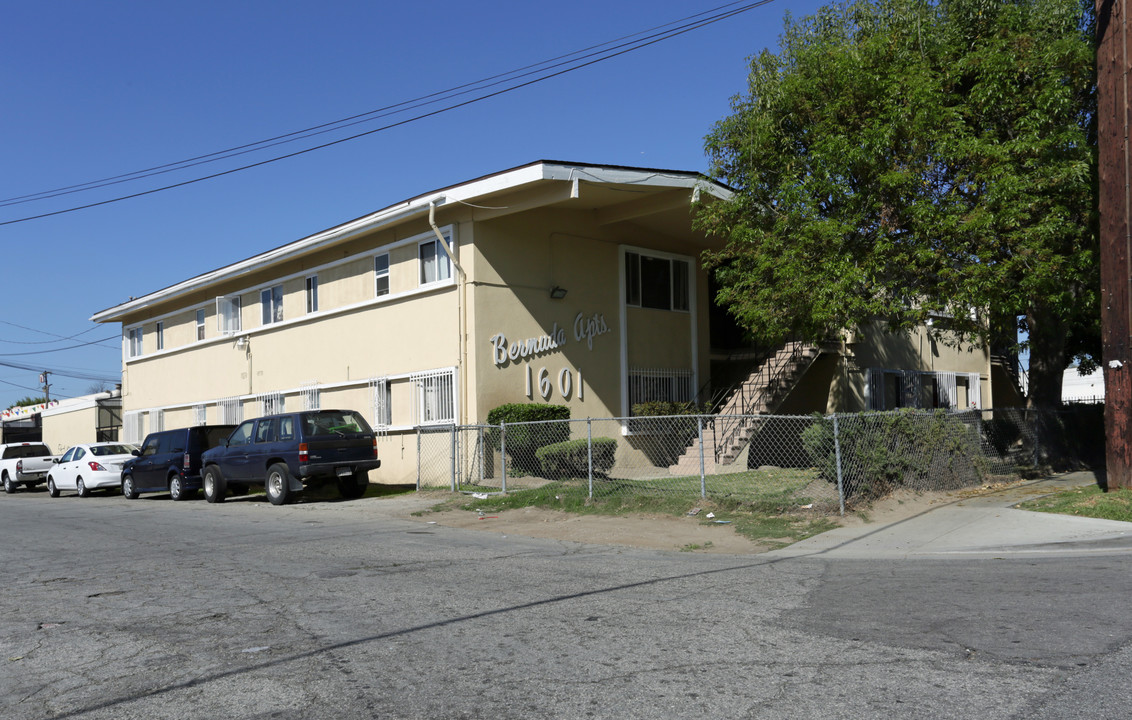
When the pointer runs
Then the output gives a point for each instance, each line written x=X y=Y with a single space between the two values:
x=820 y=462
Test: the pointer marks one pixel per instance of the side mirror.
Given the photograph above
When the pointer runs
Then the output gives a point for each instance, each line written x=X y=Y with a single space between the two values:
x=136 y=453
x=55 y=460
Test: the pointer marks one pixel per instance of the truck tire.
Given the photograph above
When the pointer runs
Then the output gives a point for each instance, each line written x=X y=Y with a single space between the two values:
x=215 y=487
x=9 y=486
x=278 y=484
x=350 y=487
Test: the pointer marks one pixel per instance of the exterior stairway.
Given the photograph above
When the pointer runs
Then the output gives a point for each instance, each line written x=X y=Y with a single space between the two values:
x=759 y=394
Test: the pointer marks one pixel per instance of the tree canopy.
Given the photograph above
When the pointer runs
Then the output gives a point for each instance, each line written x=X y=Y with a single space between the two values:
x=904 y=159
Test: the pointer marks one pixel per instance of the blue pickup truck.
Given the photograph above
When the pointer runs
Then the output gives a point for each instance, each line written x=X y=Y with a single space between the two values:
x=288 y=452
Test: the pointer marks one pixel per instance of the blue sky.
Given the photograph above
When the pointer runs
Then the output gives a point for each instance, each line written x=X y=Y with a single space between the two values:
x=92 y=90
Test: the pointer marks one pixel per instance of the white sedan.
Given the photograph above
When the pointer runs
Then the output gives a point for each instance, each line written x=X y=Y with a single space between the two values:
x=86 y=467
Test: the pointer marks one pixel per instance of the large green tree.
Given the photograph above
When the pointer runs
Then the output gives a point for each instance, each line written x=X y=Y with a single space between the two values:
x=904 y=159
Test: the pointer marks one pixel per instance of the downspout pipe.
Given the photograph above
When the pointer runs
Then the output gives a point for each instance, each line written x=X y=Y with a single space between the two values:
x=461 y=304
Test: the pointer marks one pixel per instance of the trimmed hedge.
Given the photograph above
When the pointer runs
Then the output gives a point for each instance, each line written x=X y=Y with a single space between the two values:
x=523 y=441
x=570 y=459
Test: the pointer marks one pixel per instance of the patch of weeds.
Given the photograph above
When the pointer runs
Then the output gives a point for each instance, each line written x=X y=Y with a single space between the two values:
x=1088 y=501
x=692 y=547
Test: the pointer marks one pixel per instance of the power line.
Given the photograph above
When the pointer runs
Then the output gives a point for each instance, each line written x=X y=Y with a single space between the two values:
x=384 y=111
x=59 y=338
x=72 y=347
x=543 y=73
x=73 y=373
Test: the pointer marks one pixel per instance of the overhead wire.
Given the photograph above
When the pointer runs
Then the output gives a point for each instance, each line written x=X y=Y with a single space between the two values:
x=543 y=74
x=384 y=111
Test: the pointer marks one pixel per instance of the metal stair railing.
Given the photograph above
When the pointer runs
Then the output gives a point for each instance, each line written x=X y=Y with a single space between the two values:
x=726 y=427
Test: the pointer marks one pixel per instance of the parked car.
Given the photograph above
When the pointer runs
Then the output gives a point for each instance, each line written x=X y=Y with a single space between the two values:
x=290 y=451
x=89 y=467
x=24 y=464
x=169 y=460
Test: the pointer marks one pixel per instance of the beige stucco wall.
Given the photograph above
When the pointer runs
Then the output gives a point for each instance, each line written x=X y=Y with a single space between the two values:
x=515 y=263
x=62 y=430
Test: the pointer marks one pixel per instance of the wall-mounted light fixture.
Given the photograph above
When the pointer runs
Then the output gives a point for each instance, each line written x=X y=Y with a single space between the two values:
x=242 y=342
x=557 y=292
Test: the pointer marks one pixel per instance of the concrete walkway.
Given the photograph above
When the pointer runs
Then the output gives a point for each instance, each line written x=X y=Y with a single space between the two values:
x=985 y=524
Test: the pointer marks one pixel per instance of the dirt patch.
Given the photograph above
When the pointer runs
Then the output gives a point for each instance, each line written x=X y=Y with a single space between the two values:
x=690 y=534
x=659 y=532
x=662 y=532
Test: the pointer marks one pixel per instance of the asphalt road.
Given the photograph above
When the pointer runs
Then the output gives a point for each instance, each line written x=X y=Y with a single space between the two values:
x=155 y=609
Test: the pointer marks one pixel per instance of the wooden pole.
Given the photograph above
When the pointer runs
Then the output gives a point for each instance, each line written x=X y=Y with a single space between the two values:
x=1115 y=171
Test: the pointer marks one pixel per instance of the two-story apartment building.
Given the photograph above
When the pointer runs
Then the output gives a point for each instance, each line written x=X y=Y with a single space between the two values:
x=552 y=282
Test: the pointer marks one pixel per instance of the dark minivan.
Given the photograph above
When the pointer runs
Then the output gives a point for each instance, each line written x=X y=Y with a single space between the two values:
x=170 y=461
x=288 y=451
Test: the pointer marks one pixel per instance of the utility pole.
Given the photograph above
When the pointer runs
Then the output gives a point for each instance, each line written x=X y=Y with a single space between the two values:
x=46 y=387
x=1115 y=170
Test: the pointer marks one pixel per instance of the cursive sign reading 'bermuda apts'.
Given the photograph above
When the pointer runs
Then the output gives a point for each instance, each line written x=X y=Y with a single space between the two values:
x=585 y=328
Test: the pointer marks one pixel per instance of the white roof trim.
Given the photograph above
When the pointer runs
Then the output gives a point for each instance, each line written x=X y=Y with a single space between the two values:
x=505 y=180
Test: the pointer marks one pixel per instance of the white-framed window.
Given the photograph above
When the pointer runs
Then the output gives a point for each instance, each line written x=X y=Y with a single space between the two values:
x=200 y=415
x=311 y=396
x=435 y=397
x=659 y=385
x=132 y=427
x=271 y=403
x=228 y=314
x=312 y=294
x=156 y=420
x=381 y=275
x=200 y=324
x=231 y=410
x=922 y=389
x=160 y=335
x=382 y=409
x=134 y=342
x=656 y=282
x=434 y=262
x=271 y=304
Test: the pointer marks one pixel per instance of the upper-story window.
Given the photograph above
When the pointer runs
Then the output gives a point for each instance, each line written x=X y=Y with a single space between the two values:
x=435 y=264
x=271 y=304
x=312 y=294
x=160 y=335
x=134 y=344
x=200 y=324
x=228 y=313
x=656 y=282
x=381 y=275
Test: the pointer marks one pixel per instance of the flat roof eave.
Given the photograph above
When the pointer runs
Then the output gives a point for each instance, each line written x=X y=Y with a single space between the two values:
x=539 y=171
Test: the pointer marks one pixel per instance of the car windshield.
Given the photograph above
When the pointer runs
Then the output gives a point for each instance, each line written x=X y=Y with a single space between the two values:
x=26 y=451
x=104 y=450
x=334 y=422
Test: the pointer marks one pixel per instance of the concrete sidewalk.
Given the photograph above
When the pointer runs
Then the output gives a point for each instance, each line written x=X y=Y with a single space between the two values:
x=985 y=524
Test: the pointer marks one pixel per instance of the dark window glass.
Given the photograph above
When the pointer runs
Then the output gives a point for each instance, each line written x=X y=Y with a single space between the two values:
x=679 y=285
x=656 y=283
x=632 y=279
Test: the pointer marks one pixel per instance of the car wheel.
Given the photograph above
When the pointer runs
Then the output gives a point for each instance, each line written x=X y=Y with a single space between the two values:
x=177 y=488
x=214 y=485
x=278 y=484
x=51 y=489
x=128 y=490
x=9 y=486
x=354 y=486
x=80 y=487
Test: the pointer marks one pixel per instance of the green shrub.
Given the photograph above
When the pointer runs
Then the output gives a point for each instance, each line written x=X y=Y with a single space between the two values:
x=883 y=451
x=660 y=408
x=523 y=440
x=570 y=459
